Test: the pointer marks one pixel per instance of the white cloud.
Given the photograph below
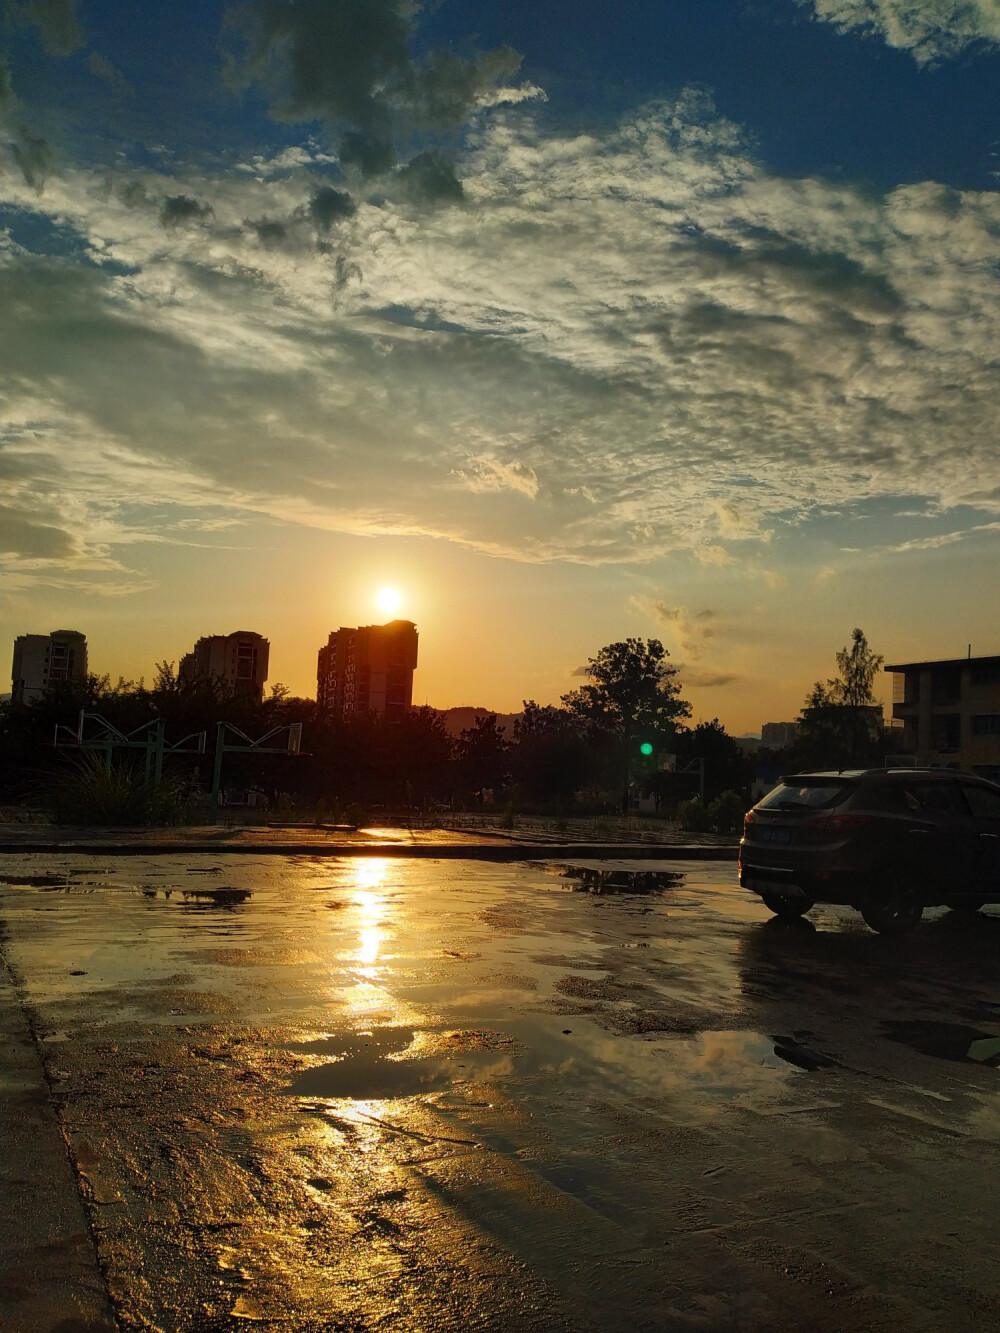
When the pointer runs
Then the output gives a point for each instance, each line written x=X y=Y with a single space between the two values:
x=690 y=630
x=739 y=524
x=714 y=555
x=647 y=334
x=931 y=30
x=927 y=543
x=490 y=474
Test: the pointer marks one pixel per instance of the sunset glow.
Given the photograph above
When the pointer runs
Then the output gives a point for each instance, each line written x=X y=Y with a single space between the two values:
x=646 y=353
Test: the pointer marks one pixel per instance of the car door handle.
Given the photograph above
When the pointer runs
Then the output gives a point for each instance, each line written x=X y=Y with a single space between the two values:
x=921 y=832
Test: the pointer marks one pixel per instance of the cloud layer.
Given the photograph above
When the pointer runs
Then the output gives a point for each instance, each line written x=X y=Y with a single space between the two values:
x=930 y=30
x=593 y=348
x=352 y=65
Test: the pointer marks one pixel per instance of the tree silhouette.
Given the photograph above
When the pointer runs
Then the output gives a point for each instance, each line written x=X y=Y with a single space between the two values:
x=840 y=722
x=633 y=695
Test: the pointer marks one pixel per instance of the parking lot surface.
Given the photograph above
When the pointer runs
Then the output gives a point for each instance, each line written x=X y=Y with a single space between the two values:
x=316 y=1093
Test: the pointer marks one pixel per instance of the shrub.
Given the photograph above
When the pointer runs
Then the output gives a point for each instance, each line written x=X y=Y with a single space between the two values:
x=694 y=817
x=96 y=792
x=726 y=812
x=723 y=815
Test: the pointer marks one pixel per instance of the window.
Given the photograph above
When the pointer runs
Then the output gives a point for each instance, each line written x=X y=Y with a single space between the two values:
x=246 y=661
x=982 y=801
x=931 y=798
x=946 y=686
x=893 y=797
x=986 y=675
x=986 y=724
x=946 y=732
x=806 y=795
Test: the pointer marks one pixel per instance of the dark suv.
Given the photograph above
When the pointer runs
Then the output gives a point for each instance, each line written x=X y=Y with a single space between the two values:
x=889 y=842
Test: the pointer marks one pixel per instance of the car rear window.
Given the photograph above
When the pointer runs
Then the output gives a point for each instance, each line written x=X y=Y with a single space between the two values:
x=793 y=795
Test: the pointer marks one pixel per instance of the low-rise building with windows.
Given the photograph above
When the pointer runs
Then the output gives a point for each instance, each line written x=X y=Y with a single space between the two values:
x=950 y=712
x=778 y=735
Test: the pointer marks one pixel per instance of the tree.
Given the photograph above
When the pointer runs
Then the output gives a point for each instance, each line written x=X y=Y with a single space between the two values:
x=727 y=767
x=858 y=667
x=633 y=695
x=841 y=722
x=551 y=759
x=481 y=752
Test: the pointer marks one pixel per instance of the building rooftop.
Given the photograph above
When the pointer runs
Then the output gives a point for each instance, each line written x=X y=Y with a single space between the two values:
x=945 y=662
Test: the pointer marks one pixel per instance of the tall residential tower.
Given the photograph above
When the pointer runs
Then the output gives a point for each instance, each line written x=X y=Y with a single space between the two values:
x=41 y=660
x=238 y=661
x=368 y=670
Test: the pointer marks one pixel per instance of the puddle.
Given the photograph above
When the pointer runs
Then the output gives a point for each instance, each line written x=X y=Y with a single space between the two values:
x=374 y=1078
x=353 y=1045
x=366 y=1069
x=947 y=1041
x=729 y=1064
x=591 y=880
x=207 y=898
x=36 y=881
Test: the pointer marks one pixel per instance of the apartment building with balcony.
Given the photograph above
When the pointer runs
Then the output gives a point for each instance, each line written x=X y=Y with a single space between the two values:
x=237 y=661
x=950 y=712
x=368 y=670
x=43 y=660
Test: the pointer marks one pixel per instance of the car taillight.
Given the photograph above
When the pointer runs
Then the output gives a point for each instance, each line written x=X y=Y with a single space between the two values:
x=825 y=827
x=747 y=821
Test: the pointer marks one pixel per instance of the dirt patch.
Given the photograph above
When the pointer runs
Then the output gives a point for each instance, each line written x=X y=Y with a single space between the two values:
x=592 y=988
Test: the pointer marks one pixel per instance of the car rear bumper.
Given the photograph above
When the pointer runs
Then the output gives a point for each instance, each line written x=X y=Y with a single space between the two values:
x=761 y=874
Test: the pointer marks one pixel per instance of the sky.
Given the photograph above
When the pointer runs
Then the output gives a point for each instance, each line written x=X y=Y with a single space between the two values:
x=572 y=322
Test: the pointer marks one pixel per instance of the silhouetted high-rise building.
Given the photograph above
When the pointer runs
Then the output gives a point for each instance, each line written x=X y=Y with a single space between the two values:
x=368 y=670
x=238 y=661
x=41 y=660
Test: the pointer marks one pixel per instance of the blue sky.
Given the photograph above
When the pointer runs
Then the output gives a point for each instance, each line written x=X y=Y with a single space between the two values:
x=675 y=318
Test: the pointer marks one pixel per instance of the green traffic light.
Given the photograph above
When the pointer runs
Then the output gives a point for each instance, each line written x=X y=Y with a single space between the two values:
x=645 y=748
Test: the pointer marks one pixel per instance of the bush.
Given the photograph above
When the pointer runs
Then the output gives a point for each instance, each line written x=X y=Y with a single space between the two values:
x=95 y=792
x=724 y=815
x=726 y=812
x=694 y=817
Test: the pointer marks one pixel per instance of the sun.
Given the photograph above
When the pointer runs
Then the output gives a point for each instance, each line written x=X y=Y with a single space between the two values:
x=387 y=600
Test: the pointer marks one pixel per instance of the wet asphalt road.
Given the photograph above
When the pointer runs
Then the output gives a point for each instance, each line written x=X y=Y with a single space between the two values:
x=334 y=1094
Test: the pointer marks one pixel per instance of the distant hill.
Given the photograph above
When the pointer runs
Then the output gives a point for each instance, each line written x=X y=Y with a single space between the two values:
x=457 y=720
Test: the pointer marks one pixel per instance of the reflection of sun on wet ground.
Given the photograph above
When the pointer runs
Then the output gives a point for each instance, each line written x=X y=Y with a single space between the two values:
x=358 y=967
x=368 y=879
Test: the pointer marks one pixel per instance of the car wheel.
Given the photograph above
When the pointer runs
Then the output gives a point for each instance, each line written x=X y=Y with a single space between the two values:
x=786 y=907
x=896 y=909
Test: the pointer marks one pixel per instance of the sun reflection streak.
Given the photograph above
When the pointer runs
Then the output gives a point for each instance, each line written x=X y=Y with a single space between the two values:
x=369 y=877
